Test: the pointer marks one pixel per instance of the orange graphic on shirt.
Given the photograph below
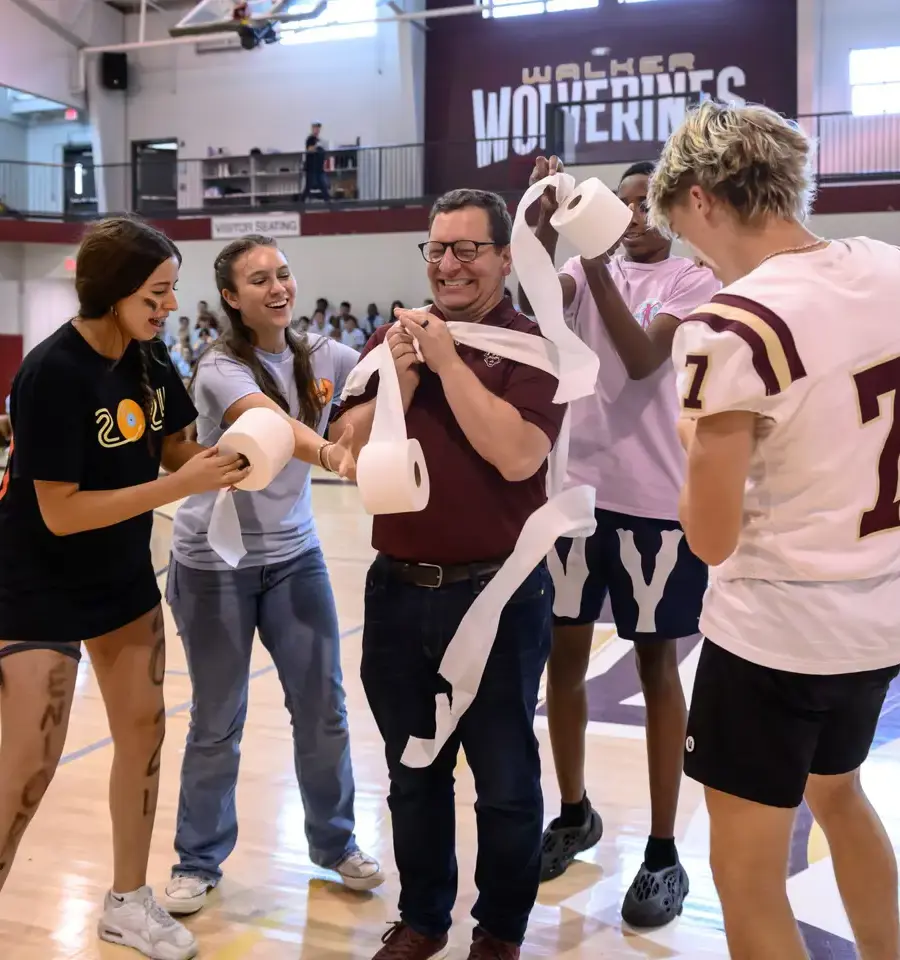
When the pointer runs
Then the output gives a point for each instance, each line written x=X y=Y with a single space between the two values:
x=130 y=420
x=4 y=481
x=324 y=391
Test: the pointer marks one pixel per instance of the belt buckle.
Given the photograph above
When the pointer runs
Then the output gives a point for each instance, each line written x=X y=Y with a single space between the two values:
x=440 y=575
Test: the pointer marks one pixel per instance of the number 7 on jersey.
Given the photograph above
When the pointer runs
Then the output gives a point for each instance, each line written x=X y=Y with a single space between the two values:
x=693 y=399
x=871 y=385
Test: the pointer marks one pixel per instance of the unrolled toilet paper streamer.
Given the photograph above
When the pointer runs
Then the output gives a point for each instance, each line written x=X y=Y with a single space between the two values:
x=266 y=439
x=390 y=470
x=565 y=514
x=394 y=478
x=593 y=219
x=467 y=654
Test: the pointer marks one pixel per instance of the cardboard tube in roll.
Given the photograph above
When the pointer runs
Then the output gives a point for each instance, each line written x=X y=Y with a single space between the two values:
x=390 y=471
x=392 y=477
x=266 y=439
x=592 y=218
x=578 y=364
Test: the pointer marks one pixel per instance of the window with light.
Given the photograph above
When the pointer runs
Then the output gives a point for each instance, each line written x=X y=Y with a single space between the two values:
x=875 y=81
x=516 y=8
x=525 y=8
x=340 y=20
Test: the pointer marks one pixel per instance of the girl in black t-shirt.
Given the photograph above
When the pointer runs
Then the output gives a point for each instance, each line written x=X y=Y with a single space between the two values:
x=96 y=409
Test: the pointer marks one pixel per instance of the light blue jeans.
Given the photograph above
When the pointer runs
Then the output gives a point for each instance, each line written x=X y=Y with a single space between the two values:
x=217 y=614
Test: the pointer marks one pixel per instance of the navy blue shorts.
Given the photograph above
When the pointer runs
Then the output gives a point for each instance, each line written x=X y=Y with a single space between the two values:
x=655 y=584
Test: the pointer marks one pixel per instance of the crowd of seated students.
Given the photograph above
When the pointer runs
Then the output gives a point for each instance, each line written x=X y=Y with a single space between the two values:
x=189 y=343
x=343 y=325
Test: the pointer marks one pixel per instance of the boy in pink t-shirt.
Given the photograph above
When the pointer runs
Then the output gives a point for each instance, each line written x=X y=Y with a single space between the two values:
x=624 y=443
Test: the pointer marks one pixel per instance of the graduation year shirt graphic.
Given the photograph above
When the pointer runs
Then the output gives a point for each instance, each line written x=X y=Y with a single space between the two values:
x=79 y=418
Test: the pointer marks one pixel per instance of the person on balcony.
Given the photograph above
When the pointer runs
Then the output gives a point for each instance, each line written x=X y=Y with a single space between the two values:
x=316 y=181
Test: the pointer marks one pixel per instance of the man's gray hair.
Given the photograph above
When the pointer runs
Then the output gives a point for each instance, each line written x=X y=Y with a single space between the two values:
x=491 y=203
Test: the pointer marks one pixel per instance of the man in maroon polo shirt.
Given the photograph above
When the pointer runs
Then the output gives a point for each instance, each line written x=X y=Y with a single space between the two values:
x=486 y=426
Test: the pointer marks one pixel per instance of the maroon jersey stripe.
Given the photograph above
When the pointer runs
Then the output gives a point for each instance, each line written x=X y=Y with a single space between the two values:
x=761 y=362
x=773 y=321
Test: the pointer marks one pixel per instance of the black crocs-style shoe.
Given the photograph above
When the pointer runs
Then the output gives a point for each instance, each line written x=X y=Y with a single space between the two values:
x=560 y=845
x=655 y=899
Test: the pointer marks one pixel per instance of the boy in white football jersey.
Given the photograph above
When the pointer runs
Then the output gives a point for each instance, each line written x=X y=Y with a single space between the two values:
x=790 y=389
x=624 y=444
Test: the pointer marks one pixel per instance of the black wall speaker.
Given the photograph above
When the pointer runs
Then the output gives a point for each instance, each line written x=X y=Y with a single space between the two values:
x=114 y=71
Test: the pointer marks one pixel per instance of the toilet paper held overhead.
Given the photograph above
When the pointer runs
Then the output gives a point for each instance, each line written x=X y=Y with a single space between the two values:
x=390 y=470
x=266 y=439
x=593 y=218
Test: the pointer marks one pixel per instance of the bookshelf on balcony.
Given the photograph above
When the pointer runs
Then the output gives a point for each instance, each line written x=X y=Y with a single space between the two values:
x=265 y=179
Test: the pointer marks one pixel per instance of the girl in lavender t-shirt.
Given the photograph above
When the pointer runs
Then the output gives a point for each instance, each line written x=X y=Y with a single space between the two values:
x=624 y=443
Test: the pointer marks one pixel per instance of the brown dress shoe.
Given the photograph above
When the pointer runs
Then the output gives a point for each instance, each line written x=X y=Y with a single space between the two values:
x=486 y=947
x=403 y=943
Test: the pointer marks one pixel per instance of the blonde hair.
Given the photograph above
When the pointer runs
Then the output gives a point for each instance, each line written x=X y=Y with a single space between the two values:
x=749 y=157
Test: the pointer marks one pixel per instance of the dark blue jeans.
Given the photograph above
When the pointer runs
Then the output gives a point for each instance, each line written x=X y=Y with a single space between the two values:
x=407 y=629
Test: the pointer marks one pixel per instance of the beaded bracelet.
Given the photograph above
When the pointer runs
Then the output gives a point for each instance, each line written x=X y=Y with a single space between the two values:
x=323 y=463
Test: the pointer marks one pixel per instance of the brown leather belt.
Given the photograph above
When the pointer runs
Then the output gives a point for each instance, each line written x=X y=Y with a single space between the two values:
x=434 y=576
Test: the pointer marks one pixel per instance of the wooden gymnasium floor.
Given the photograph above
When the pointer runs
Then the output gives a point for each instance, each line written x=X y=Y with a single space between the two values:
x=274 y=905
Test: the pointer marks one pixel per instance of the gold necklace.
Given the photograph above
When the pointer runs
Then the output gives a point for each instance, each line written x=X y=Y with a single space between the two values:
x=800 y=249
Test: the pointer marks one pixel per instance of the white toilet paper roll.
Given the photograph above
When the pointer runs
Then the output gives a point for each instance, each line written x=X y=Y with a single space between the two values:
x=392 y=477
x=578 y=364
x=566 y=513
x=266 y=439
x=390 y=470
x=592 y=218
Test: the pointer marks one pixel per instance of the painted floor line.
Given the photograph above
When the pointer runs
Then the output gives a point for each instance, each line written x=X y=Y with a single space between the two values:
x=178 y=708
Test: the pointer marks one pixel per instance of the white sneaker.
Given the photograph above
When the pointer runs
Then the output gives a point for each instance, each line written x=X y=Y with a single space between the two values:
x=137 y=920
x=359 y=871
x=186 y=894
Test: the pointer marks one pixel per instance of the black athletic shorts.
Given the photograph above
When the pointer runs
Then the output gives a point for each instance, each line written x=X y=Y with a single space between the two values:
x=53 y=614
x=655 y=584
x=757 y=733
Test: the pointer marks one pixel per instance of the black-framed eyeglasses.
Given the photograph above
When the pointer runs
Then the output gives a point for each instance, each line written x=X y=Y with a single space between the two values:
x=464 y=250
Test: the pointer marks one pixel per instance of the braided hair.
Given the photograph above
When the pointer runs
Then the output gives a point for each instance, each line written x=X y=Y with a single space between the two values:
x=115 y=259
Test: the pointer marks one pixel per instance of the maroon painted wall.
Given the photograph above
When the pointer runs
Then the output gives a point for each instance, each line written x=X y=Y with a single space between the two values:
x=489 y=78
x=10 y=359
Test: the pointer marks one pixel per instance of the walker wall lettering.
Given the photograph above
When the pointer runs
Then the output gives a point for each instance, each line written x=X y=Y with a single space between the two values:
x=623 y=75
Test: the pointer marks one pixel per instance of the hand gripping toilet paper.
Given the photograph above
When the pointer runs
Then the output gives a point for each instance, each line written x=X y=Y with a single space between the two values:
x=266 y=439
x=390 y=470
x=593 y=220
x=567 y=513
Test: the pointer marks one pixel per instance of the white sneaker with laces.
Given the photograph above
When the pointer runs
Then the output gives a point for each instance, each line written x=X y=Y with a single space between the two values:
x=136 y=920
x=359 y=871
x=186 y=894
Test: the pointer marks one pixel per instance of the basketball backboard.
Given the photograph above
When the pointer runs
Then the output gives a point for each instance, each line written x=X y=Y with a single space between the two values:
x=215 y=16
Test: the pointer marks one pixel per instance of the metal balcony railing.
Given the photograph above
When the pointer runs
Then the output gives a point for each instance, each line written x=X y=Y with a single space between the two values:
x=849 y=149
